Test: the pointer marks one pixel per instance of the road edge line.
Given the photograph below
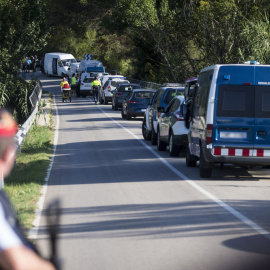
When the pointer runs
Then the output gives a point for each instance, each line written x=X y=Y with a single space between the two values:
x=33 y=233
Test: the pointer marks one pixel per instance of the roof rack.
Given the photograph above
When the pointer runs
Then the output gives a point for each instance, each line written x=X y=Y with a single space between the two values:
x=173 y=85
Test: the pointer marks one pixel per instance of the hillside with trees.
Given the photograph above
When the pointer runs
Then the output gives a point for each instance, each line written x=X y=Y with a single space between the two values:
x=154 y=40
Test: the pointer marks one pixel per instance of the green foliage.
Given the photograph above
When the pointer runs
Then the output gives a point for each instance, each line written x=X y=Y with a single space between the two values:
x=24 y=183
x=257 y=36
x=23 y=29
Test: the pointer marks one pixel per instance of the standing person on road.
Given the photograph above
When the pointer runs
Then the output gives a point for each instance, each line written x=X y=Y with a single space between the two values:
x=95 y=86
x=16 y=251
x=73 y=84
x=78 y=85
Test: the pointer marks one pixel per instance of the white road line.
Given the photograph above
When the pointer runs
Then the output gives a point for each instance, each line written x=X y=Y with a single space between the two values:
x=228 y=208
x=33 y=233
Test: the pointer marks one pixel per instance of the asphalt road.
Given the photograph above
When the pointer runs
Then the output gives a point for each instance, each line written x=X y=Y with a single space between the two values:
x=127 y=206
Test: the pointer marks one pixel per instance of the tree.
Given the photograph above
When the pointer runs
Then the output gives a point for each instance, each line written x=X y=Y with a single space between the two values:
x=23 y=30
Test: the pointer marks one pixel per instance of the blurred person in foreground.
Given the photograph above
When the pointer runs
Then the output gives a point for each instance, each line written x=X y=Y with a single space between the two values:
x=16 y=251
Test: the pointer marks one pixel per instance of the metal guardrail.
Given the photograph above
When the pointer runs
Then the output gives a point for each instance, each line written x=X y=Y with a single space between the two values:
x=36 y=94
x=155 y=86
x=145 y=84
x=21 y=134
x=34 y=99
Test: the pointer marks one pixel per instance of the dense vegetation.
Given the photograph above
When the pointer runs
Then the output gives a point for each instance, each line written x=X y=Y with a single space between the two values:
x=155 y=40
x=161 y=40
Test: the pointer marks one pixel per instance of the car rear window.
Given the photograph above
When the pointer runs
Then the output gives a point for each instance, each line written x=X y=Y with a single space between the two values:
x=88 y=80
x=144 y=94
x=243 y=101
x=125 y=88
x=173 y=93
x=116 y=83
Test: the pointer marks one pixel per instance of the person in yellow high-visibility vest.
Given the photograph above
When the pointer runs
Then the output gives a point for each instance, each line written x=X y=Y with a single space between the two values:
x=73 y=84
x=95 y=86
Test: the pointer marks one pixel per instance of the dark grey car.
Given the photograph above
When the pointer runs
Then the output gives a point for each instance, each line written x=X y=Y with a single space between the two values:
x=136 y=102
x=120 y=93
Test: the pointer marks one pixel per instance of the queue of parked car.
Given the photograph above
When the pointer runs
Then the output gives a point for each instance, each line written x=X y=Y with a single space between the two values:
x=222 y=116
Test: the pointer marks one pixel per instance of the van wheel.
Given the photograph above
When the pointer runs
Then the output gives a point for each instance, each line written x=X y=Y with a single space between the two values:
x=173 y=148
x=205 y=167
x=161 y=146
x=190 y=159
x=146 y=133
x=105 y=101
x=153 y=136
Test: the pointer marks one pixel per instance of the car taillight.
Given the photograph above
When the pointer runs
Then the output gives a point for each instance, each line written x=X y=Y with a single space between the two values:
x=81 y=83
x=109 y=89
x=119 y=94
x=133 y=101
x=209 y=133
x=179 y=116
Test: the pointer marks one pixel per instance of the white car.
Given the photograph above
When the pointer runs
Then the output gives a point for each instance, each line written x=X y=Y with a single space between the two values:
x=171 y=129
x=86 y=87
x=109 y=86
x=106 y=77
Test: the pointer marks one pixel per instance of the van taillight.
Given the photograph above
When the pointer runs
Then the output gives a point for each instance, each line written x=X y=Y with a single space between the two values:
x=179 y=116
x=209 y=133
x=109 y=89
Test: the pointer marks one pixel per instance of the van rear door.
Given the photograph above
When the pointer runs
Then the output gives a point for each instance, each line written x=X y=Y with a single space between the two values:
x=262 y=111
x=54 y=66
x=234 y=122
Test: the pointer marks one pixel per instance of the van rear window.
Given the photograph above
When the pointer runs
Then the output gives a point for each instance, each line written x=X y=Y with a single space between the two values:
x=235 y=101
x=262 y=101
x=243 y=101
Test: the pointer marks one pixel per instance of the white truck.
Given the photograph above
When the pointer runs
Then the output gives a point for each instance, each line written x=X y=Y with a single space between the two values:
x=57 y=64
x=91 y=66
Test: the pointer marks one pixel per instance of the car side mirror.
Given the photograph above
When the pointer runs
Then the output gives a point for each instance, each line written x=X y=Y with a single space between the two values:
x=160 y=109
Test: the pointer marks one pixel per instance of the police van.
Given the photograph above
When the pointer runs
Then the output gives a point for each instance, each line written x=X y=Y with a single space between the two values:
x=230 y=117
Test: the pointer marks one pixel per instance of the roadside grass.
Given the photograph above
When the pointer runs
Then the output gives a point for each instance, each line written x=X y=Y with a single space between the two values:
x=24 y=184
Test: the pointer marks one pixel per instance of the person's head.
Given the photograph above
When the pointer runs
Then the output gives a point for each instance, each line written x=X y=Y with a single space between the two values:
x=64 y=79
x=8 y=129
x=96 y=77
x=73 y=75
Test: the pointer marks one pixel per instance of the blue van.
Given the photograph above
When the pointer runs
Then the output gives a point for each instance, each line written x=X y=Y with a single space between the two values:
x=230 y=117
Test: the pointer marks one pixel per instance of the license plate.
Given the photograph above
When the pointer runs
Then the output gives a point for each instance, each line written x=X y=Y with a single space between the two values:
x=143 y=110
